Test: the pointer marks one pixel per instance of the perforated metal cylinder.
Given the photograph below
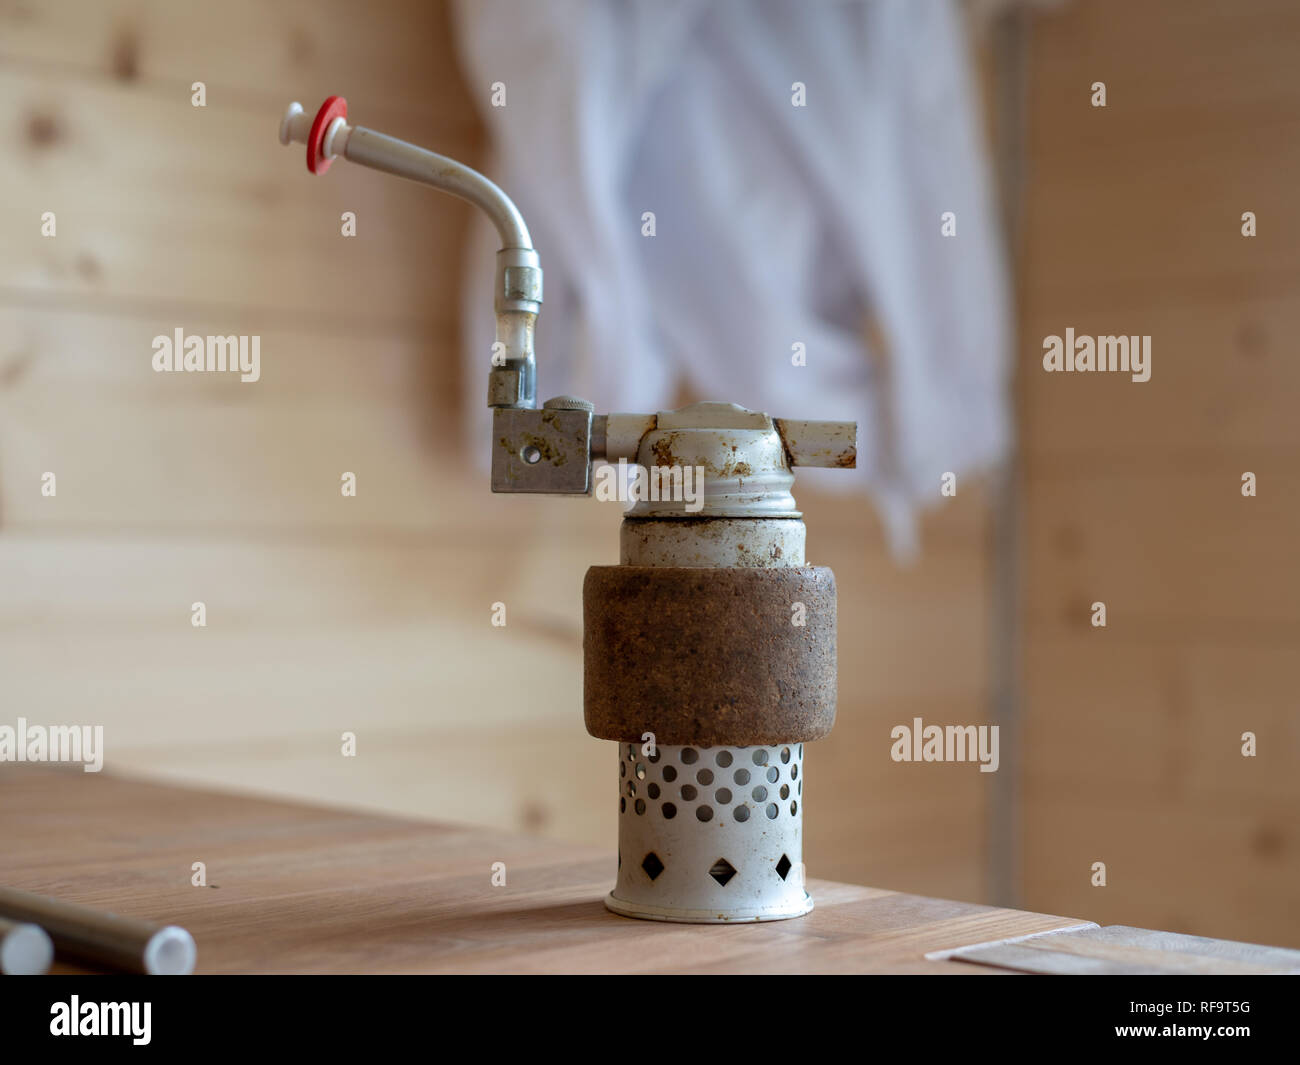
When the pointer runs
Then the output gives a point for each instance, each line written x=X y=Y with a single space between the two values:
x=710 y=834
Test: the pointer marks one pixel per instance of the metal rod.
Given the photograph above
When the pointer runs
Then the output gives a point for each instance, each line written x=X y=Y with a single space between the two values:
x=103 y=938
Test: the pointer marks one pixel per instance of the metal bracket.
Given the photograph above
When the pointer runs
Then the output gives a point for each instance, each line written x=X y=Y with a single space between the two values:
x=546 y=451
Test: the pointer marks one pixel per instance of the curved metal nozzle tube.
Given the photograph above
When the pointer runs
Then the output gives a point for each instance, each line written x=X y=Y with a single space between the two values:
x=382 y=152
x=517 y=301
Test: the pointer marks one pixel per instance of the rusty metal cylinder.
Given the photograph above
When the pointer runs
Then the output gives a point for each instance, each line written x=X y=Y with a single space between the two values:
x=709 y=656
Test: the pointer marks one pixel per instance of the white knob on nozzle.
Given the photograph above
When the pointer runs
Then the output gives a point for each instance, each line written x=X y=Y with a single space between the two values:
x=295 y=126
x=326 y=135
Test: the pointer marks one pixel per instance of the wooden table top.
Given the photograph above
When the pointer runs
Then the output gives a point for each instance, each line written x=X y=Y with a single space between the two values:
x=305 y=889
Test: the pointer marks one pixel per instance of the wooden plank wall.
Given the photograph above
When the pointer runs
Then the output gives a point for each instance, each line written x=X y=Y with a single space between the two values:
x=369 y=614
x=1132 y=491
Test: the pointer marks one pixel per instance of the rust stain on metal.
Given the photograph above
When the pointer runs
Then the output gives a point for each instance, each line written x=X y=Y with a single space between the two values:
x=663 y=450
x=843 y=458
x=836 y=455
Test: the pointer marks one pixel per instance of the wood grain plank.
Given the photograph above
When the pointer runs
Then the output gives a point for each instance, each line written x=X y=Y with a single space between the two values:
x=216 y=214
x=1164 y=722
x=1171 y=69
x=1172 y=549
x=238 y=465
x=1119 y=950
x=53 y=354
x=1222 y=383
x=1227 y=872
x=317 y=890
x=396 y=54
x=1185 y=113
x=1132 y=225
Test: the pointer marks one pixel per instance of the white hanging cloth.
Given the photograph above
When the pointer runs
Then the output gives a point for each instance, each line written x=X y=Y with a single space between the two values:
x=778 y=221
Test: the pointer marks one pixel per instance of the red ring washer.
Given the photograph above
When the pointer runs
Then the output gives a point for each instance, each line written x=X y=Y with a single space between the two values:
x=333 y=107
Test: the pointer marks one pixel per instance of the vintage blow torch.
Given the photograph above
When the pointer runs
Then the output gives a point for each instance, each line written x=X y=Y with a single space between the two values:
x=709 y=651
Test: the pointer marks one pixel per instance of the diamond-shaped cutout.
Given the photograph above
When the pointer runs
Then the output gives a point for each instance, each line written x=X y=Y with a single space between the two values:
x=722 y=871
x=652 y=865
x=783 y=867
